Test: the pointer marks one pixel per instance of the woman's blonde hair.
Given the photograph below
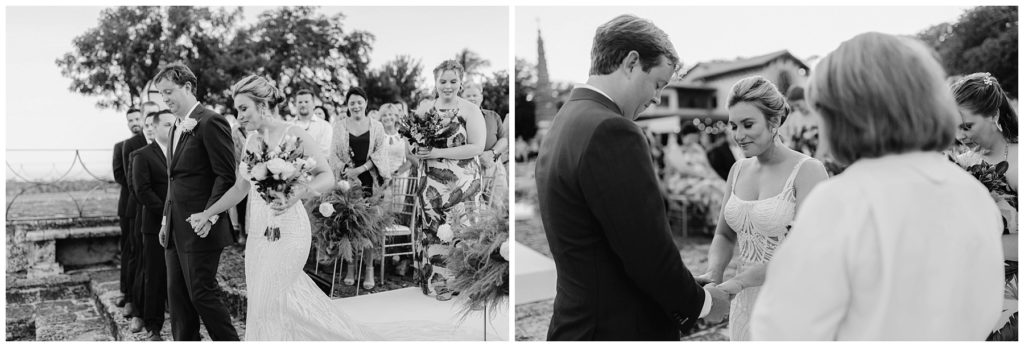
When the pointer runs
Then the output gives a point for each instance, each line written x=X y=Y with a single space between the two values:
x=762 y=94
x=881 y=94
x=260 y=90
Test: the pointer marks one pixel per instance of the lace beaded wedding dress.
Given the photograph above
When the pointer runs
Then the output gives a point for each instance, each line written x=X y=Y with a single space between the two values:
x=761 y=226
x=284 y=304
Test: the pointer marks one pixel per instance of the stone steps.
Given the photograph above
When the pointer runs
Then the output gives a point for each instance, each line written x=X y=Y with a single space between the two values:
x=108 y=293
x=59 y=308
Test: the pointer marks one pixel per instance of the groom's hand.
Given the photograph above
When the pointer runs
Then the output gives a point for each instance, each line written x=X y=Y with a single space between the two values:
x=719 y=304
x=163 y=236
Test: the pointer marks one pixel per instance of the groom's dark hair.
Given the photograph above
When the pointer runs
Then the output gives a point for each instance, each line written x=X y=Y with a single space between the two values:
x=179 y=74
x=615 y=39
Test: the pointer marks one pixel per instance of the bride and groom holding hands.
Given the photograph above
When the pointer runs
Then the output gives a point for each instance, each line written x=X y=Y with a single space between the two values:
x=881 y=253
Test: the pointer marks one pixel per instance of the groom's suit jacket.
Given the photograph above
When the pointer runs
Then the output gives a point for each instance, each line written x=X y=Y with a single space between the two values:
x=620 y=276
x=201 y=170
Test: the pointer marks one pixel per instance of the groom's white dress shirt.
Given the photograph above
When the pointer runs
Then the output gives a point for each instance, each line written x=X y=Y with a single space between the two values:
x=707 y=296
x=903 y=247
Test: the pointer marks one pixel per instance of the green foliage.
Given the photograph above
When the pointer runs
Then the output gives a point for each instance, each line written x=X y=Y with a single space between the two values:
x=495 y=92
x=480 y=272
x=526 y=113
x=116 y=59
x=397 y=81
x=983 y=39
x=357 y=222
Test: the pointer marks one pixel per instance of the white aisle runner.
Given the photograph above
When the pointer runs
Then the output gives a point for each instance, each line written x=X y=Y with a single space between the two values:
x=410 y=304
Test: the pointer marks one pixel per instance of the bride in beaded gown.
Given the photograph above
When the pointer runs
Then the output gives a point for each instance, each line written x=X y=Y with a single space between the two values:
x=763 y=194
x=283 y=303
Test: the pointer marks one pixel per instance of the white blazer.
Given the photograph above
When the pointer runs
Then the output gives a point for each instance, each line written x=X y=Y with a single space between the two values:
x=903 y=247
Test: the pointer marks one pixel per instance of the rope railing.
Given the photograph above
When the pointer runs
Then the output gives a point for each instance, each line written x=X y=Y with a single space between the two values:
x=26 y=186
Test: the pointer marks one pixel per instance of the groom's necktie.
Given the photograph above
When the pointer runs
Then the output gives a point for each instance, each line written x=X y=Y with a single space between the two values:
x=177 y=137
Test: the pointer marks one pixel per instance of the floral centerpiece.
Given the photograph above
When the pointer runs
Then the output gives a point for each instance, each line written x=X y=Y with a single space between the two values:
x=350 y=220
x=276 y=172
x=479 y=260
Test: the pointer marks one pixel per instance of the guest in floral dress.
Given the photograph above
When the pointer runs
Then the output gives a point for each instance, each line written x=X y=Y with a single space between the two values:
x=452 y=172
x=989 y=128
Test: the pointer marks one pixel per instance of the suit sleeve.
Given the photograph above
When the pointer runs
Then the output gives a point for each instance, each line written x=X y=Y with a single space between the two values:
x=220 y=148
x=119 y=176
x=620 y=187
x=128 y=172
x=142 y=176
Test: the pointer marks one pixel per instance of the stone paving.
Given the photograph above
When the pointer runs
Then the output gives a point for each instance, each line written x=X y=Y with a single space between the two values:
x=58 y=308
x=82 y=306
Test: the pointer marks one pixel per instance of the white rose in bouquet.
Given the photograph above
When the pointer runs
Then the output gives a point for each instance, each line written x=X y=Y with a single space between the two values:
x=504 y=250
x=344 y=185
x=445 y=233
x=326 y=209
x=280 y=168
x=259 y=172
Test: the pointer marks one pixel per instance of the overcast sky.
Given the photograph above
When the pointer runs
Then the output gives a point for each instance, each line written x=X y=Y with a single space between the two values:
x=707 y=33
x=43 y=114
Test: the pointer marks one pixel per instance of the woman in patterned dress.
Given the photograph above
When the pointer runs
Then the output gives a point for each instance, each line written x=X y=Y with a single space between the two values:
x=989 y=127
x=358 y=152
x=762 y=196
x=452 y=172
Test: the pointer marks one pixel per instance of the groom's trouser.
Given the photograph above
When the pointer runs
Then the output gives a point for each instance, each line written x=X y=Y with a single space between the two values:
x=192 y=294
x=154 y=282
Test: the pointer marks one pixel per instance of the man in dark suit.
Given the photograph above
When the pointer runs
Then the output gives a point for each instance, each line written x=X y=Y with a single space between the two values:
x=129 y=256
x=201 y=169
x=122 y=202
x=149 y=176
x=619 y=274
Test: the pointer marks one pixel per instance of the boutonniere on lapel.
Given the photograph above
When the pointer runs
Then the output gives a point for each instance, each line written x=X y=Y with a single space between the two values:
x=188 y=124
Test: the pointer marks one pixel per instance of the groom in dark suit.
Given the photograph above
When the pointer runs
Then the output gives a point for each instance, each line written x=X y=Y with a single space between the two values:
x=201 y=169
x=620 y=276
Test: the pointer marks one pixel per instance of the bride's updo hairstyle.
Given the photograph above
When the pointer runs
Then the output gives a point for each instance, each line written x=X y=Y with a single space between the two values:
x=981 y=94
x=763 y=95
x=880 y=94
x=260 y=90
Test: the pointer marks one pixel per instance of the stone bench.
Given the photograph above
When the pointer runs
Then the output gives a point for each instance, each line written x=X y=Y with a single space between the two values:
x=79 y=246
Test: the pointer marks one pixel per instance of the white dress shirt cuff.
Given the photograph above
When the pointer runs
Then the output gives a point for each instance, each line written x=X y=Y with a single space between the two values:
x=707 y=305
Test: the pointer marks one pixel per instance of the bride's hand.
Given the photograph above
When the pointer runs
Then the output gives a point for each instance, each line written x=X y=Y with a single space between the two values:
x=731 y=287
x=301 y=192
x=197 y=219
x=705 y=279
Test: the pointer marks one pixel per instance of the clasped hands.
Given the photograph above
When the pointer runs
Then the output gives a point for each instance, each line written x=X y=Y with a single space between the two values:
x=721 y=295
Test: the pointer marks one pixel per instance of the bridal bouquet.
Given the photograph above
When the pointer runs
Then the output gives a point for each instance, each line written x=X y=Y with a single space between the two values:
x=349 y=220
x=479 y=261
x=276 y=172
x=993 y=177
x=430 y=130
